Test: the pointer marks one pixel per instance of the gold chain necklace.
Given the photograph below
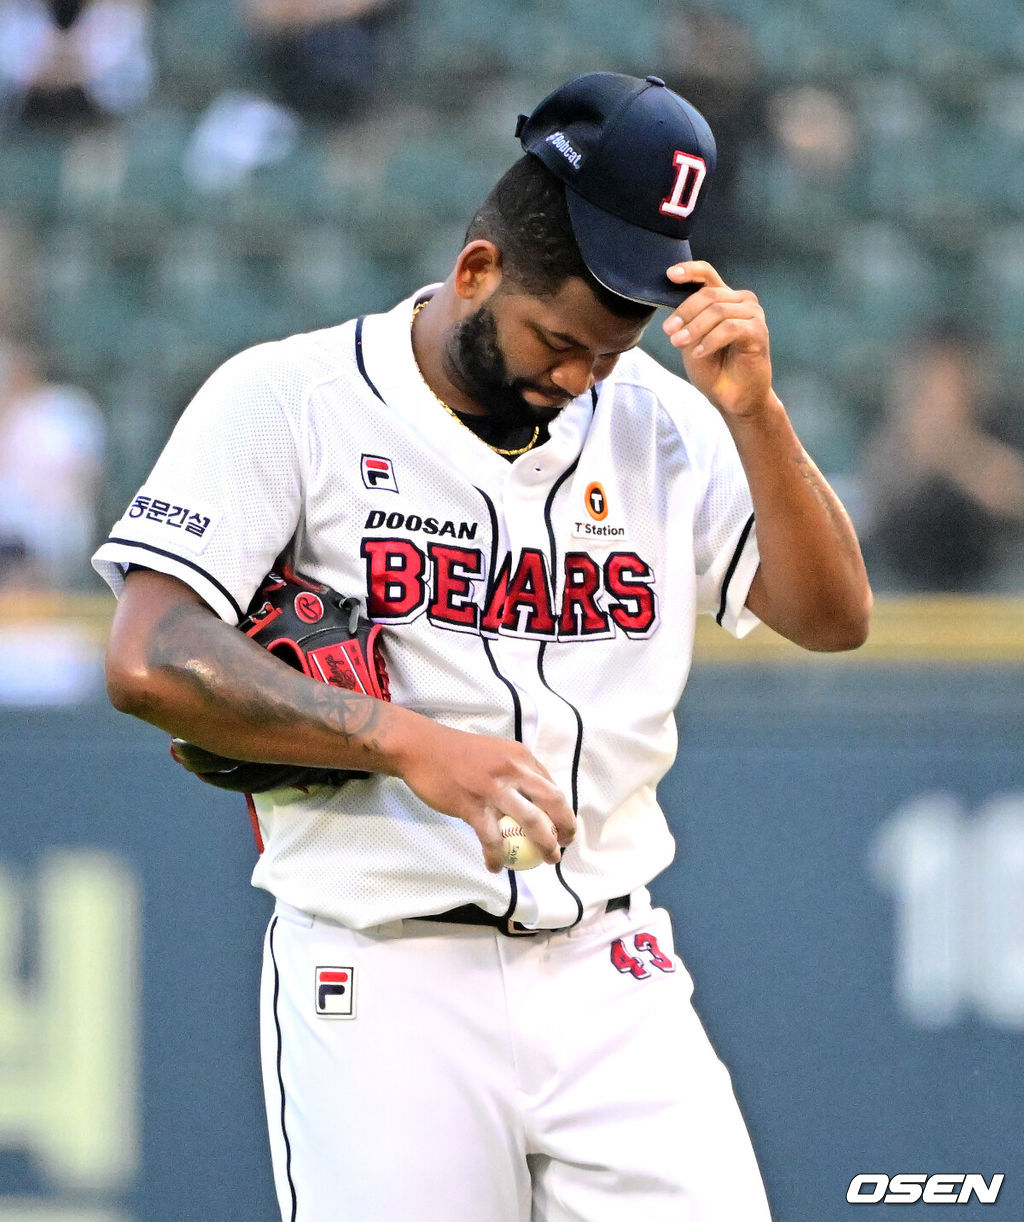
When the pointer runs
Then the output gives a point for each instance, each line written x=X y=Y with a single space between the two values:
x=455 y=415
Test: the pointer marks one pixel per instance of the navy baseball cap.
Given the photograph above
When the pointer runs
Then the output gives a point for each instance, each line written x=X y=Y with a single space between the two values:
x=636 y=160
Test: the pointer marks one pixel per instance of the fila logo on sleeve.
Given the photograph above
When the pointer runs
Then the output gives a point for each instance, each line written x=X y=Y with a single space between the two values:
x=378 y=473
x=335 y=992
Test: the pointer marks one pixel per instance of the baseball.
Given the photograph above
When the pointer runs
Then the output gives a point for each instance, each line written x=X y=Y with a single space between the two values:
x=520 y=851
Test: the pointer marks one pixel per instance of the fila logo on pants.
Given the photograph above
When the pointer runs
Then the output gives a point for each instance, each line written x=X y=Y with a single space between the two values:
x=335 y=992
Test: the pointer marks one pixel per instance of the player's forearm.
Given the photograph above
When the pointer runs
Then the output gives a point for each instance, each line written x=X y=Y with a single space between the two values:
x=197 y=678
x=172 y=662
x=812 y=586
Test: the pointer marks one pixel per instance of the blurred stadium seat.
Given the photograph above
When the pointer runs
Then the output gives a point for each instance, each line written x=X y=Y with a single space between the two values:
x=913 y=194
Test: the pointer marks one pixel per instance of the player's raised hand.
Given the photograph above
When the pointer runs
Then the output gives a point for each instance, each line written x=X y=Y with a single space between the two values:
x=723 y=337
x=478 y=778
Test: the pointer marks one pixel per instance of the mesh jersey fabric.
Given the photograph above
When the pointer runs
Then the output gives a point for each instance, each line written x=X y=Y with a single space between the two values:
x=552 y=599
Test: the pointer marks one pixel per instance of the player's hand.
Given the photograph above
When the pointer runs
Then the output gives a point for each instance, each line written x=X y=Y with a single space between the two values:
x=477 y=778
x=723 y=337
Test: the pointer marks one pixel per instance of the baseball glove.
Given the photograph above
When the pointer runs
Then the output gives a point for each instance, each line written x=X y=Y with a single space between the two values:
x=323 y=635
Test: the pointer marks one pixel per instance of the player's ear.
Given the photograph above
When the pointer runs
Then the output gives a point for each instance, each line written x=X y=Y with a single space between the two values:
x=477 y=270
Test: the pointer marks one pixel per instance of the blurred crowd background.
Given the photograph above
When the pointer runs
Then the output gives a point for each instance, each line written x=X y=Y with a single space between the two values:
x=182 y=178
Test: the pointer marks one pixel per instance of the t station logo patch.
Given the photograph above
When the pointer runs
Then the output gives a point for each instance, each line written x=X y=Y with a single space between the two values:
x=336 y=992
x=596 y=525
x=596 y=502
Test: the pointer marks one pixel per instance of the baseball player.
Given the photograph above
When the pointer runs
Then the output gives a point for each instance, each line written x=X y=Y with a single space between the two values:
x=534 y=512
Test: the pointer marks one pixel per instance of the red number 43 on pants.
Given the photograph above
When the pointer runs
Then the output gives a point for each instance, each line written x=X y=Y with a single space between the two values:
x=644 y=944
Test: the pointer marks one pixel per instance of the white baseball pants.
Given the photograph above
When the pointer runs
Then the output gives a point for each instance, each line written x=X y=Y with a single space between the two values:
x=424 y=1072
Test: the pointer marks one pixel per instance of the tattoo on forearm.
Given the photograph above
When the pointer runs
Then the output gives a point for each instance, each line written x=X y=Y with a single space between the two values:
x=352 y=716
x=223 y=680
x=838 y=518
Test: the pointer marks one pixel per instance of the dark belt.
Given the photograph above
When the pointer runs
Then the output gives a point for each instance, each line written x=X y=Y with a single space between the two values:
x=470 y=914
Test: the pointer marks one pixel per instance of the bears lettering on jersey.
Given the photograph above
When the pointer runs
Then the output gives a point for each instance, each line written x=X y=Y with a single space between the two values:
x=450 y=583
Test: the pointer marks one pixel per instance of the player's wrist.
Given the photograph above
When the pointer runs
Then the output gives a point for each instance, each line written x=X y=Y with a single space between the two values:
x=757 y=410
x=405 y=740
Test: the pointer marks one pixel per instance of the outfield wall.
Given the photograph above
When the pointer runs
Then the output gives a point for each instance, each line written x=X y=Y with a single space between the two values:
x=848 y=894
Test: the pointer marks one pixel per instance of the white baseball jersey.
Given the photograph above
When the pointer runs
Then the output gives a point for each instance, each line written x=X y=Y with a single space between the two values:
x=551 y=599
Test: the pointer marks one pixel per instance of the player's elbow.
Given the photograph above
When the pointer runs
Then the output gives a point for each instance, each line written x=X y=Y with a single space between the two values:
x=158 y=628
x=844 y=629
x=838 y=640
x=124 y=687
x=831 y=617
x=131 y=686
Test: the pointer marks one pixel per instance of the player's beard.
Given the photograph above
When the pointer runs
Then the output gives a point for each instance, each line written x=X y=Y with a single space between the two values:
x=474 y=362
